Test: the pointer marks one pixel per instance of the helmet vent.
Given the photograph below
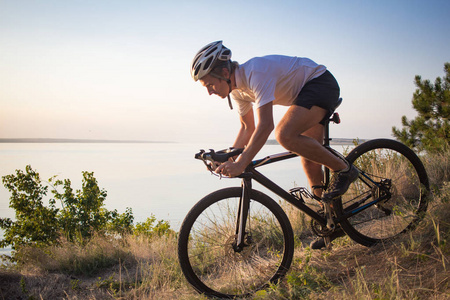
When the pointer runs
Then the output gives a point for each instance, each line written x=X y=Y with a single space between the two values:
x=212 y=50
x=225 y=55
x=208 y=63
x=195 y=60
x=197 y=70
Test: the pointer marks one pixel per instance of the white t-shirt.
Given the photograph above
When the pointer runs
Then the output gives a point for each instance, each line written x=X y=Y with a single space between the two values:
x=274 y=78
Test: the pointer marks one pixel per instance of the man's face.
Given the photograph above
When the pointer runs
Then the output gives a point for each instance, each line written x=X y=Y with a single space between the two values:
x=215 y=85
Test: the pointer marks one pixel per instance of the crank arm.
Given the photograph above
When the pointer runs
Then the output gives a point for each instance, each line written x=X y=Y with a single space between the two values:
x=329 y=215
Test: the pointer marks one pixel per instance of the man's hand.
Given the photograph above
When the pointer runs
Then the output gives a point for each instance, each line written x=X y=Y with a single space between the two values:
x=230 y=169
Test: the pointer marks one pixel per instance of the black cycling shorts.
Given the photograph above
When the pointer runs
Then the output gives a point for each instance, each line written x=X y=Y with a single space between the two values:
x=322 y=91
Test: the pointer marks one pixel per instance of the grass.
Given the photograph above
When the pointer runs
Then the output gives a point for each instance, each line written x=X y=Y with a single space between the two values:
x=415 y=265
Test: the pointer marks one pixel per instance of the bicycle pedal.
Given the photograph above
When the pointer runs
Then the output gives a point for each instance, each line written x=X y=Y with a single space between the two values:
x=299 y=192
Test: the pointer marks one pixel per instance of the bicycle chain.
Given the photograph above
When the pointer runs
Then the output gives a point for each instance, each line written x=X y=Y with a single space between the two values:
x=318 y=229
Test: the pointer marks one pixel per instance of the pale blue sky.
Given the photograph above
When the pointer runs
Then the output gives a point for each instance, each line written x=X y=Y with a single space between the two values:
x=120 y=69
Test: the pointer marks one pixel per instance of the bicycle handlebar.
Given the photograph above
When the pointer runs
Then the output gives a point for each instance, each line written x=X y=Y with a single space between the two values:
x=219 y=156
x=213 y=159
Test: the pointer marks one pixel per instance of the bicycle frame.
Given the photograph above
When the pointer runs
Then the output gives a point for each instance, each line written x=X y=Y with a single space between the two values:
x=252 y=174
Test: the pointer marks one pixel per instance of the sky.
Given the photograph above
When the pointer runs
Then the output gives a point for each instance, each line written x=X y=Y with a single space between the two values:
x=119 y=70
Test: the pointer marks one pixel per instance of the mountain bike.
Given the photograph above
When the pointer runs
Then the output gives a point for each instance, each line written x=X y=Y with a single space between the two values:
x=237 y=240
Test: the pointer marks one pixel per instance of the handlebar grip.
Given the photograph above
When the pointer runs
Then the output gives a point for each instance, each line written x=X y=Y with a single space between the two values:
x=224 y=155
x=220 y=156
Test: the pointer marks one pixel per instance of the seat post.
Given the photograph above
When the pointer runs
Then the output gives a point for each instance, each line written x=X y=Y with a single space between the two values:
x=326 y=143
x=335 y=119
x=327 y=139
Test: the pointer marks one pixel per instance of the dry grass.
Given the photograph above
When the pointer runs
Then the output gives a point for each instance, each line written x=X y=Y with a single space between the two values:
x=413 y=266
x=132 y=268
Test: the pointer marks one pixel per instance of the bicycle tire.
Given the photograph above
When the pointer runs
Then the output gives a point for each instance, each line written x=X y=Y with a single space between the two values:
x=396 y=167
x=205 y=251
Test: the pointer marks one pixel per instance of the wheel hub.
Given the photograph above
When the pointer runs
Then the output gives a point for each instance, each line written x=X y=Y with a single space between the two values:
x=232 y=251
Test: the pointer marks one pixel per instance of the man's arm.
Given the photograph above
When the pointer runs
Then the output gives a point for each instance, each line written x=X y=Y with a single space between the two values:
x=257 y=140
x=246 y=130
x=259 y=137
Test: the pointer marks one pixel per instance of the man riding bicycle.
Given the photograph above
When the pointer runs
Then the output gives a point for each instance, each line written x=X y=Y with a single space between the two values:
x=310 y=91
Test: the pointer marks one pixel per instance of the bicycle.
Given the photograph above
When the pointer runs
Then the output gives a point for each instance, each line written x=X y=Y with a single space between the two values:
x=237 y=240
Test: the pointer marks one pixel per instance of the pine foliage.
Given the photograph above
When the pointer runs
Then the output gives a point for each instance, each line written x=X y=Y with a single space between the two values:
x=430 y=130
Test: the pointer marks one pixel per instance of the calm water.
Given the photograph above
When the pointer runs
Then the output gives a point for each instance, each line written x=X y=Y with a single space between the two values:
x=161 y=179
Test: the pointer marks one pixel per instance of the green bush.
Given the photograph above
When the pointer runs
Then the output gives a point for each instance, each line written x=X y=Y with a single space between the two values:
x=150 y=230
x=83 y=212
x=35 y=223
x=81 y=215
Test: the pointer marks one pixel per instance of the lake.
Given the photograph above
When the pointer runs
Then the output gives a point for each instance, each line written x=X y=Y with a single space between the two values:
x=162 y=179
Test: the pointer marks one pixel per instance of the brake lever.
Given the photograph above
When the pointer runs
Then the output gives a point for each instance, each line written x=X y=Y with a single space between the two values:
x=210 y=166
x=213 y=159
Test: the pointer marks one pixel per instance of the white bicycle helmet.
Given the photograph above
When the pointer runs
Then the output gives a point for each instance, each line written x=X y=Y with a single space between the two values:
x=207 y=58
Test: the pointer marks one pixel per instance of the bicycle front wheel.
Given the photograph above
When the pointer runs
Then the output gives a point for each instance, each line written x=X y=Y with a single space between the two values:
x=390 y=195
x=206 y=245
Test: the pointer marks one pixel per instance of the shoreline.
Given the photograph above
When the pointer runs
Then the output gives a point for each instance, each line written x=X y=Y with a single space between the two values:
x=75 y=141
x=334 y=141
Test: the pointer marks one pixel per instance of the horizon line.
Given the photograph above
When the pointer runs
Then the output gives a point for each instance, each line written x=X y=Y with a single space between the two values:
x=65 y=140
x=106 y=141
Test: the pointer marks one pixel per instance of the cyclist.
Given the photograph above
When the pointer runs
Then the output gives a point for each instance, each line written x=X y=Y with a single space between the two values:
x=310 y=91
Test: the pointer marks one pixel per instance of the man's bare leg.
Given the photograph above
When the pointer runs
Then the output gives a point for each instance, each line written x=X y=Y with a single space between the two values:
x=298 y=132
x=314 y=171
x=290 y=134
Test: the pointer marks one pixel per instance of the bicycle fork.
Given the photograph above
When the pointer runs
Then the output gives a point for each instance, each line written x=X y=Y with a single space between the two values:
x=241 y=223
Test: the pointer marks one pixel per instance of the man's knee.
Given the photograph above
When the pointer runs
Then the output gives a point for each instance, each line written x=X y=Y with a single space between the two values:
x=284 y=137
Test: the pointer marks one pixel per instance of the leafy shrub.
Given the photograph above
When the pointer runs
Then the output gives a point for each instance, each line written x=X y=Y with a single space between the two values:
x=150 y=230
x=35 y=223
x=81 y=215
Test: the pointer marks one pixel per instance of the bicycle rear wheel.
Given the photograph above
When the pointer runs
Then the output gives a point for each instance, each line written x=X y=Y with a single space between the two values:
x=390 y=195
x=207 y=237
